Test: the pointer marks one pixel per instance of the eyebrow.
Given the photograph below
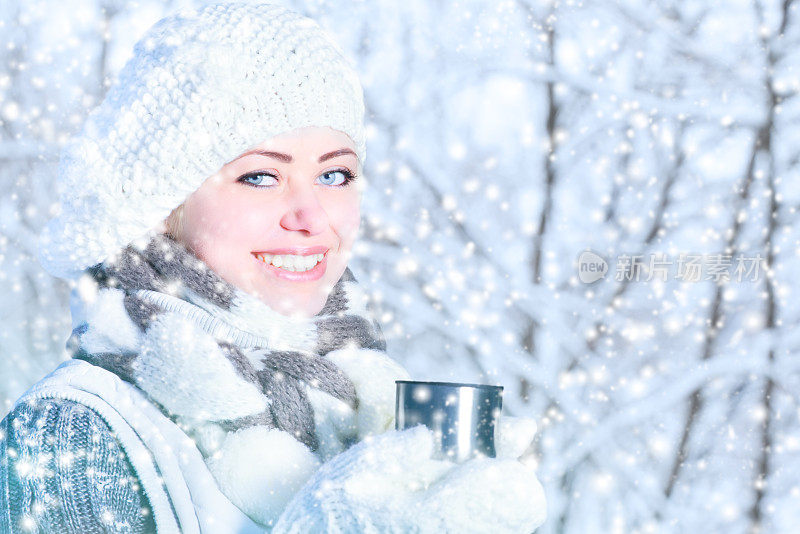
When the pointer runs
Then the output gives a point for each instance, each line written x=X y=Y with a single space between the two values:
x=288 y=158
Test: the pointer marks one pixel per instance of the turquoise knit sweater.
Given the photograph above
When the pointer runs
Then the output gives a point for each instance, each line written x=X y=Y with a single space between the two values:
x=62 y=471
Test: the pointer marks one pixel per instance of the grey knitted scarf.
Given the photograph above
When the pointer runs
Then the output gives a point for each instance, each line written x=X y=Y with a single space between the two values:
x=166 y=276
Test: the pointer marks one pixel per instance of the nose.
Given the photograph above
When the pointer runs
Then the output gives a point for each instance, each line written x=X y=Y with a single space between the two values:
x=304 y=211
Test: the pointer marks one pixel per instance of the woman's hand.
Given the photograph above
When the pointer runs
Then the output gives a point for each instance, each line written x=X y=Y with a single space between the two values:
x=390 y=483
x=514 y=436
x=499 y=494
x=373 y=374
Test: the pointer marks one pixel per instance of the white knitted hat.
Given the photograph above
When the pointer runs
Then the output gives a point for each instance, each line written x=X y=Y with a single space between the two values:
x=203 y=86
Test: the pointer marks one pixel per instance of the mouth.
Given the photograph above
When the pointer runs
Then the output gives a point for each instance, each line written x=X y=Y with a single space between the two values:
x=295 y=267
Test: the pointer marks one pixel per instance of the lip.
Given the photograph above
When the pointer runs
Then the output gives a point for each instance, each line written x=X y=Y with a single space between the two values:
x=306 y=276
x=296 y=251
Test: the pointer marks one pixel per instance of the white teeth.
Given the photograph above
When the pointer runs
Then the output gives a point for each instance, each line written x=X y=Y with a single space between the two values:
x=292 y=262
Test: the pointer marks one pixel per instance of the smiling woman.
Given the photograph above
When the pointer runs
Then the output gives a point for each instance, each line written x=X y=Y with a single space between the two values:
x=293 y=204
x=224 y=359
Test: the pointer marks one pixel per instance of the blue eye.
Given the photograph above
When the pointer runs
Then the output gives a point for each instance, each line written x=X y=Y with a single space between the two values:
x=345 y=175
x=261 y=179
x=256 y=179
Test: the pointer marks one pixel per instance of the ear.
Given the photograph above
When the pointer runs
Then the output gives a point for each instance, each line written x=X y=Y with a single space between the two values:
x=173 y=224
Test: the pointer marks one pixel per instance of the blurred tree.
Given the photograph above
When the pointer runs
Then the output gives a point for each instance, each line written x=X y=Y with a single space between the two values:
x=505 y=138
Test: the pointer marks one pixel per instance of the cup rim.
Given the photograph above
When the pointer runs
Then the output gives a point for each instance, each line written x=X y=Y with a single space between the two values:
x=451 y=384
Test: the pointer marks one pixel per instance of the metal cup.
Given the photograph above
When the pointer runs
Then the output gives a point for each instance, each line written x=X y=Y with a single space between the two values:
x=463 y=417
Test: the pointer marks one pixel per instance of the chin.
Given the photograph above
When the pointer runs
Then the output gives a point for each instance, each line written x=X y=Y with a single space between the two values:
x=303 y=306
x=298 y=299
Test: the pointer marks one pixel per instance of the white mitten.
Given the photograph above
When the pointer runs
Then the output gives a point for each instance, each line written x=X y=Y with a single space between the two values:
x=488 y=494
x=513 y=436
x=389 y=483
x=373 y=374
x=367 y=487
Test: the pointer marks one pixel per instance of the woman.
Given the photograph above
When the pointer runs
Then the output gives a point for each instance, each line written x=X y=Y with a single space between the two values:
x=226 y=373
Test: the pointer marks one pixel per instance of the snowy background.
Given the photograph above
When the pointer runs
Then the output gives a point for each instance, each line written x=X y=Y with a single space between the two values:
x=506 y=138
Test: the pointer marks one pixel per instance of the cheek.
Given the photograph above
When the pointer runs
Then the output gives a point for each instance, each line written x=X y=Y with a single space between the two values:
x=217 y=221
x=346 y=218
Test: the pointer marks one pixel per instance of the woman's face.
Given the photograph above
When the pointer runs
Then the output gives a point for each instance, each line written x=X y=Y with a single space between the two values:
x=279 y=221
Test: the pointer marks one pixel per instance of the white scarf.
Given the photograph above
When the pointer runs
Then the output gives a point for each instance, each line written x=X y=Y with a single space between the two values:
x=266 y=397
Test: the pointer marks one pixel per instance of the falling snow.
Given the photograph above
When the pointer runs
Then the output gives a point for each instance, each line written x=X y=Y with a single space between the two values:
x=505 y=138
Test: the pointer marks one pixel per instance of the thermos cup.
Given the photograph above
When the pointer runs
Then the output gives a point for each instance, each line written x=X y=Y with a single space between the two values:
x=463 y=417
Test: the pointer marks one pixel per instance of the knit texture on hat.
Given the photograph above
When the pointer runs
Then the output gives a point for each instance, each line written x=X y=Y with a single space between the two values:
x=203 y=86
